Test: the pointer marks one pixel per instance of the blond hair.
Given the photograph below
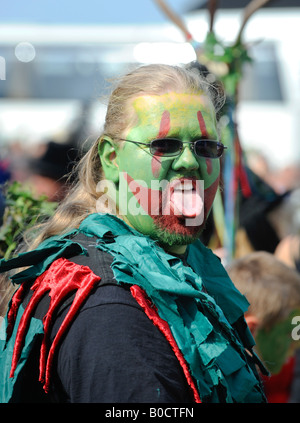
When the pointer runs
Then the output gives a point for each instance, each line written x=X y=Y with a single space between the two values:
x=271 y=287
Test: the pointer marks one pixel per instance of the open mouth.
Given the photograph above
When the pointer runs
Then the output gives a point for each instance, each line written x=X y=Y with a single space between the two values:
x=185 y=197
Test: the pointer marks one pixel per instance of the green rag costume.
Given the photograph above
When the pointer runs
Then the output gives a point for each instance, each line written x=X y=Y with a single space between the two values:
x=198 y=301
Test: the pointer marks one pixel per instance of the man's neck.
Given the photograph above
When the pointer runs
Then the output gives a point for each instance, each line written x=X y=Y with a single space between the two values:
x=176 y=249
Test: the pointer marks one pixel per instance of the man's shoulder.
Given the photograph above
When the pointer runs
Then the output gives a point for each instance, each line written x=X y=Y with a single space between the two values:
x=97 y=260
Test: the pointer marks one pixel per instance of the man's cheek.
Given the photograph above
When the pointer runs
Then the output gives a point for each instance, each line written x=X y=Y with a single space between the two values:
x=139 y=199
x=156 y=166
x=210 y=172
x=209 y=195
x=209 y=166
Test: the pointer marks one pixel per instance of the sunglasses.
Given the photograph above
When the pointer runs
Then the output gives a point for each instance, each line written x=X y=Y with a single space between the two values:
x=171 y=147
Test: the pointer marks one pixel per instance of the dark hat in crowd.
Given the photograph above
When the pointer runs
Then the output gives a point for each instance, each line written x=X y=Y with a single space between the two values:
x=57 y=161
x=254 y=219
x=254 y=214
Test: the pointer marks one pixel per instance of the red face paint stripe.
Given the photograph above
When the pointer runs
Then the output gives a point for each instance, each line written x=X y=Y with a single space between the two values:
x=209 y=166
x=164 y=128
x=165 y=124
x=145 y=196
x=202 y=124
x=209 y=195
x=155 y=166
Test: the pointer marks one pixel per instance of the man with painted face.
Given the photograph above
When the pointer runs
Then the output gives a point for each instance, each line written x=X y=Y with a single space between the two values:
x=120 y=301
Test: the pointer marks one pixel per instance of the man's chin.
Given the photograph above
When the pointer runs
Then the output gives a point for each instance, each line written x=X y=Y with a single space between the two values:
x=173 y=230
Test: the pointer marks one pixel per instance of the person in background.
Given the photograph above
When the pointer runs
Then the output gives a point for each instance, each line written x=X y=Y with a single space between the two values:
x=273 y=291
x=48 y=174
x=287 y=221
x=119 y=300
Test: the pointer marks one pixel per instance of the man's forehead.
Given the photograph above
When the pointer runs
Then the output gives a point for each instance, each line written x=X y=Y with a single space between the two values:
x=171 y=101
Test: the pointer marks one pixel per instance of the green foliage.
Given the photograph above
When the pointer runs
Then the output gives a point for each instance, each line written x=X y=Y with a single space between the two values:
x=23 y=210
x=227 y=61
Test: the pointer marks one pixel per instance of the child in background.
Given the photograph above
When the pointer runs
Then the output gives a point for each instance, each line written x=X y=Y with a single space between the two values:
x=273 y=291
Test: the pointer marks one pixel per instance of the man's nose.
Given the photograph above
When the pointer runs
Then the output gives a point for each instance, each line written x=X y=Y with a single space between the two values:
x=186 y=160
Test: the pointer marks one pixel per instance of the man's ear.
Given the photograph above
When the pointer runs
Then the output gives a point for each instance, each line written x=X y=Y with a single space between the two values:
x=108 y=157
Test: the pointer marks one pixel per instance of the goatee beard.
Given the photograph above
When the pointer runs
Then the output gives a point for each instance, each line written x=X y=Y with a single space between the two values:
x=172 y=230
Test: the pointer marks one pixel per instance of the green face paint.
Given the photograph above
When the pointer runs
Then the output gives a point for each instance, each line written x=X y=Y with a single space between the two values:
x=276 y=345
x=184 y=116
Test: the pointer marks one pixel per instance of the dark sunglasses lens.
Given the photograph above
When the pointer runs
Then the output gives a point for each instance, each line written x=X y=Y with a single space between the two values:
x=165 y=147
x=209 y=149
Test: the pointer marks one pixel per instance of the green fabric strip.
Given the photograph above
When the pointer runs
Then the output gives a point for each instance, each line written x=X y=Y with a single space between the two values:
x=9 y=386
x=41 y=258
x=217 y=281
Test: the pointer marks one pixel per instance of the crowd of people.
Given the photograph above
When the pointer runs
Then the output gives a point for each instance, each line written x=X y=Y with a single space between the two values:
x=131 y=305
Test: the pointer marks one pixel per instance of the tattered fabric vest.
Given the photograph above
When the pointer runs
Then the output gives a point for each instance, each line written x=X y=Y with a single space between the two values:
x=196 y=306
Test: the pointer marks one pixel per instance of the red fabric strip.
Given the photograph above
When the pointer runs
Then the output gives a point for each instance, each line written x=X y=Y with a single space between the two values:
x=23 y=327
x=62 y=278
x=141 y=297
x=85 y=280
x=12 y=313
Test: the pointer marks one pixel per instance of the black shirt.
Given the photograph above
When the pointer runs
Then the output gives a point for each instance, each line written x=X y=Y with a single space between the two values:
x=112 y=352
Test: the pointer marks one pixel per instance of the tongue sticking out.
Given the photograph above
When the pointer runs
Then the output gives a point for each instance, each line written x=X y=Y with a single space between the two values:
x=186 y=202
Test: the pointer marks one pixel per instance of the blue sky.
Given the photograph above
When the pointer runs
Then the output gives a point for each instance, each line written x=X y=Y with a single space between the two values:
x=87 y=11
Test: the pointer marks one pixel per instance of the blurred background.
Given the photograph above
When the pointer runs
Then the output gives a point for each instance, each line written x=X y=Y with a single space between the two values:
x=56 y=58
